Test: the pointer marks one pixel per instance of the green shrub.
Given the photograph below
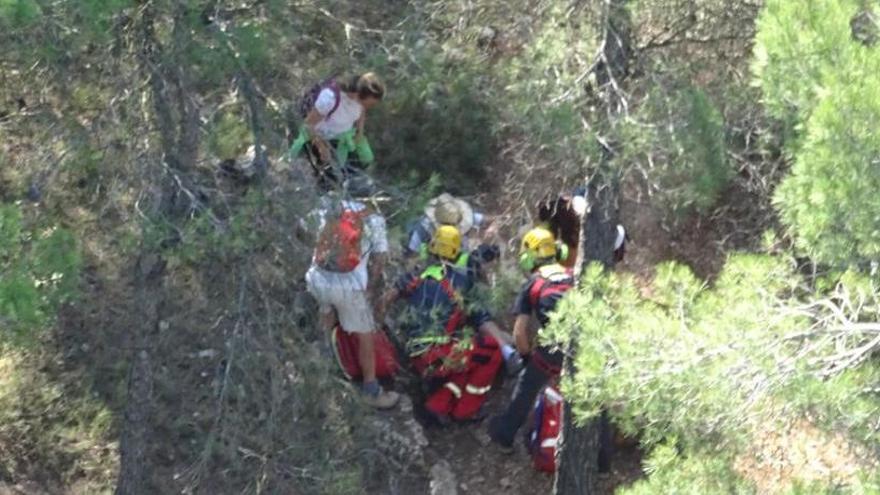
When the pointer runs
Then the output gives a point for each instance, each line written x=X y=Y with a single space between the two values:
x=40 y=269
x=252 y=47
x=706 y=368
x=829 y=201
x=795 y=48
x=678 y=140
x=437 y=118
x=823 y=84
x=669 y=472
x=49 y=430
x=84 y=166
x=18 y=13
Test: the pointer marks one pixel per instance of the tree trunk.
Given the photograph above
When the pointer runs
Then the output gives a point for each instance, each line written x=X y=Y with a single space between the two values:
x=577 y=457
x=176 y=116
x=134 y=437
x=578 y=454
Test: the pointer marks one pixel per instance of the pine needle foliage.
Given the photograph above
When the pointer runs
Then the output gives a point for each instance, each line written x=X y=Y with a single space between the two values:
x=830 y=199
x=704 y=367
x=822 y=83
x=671 y=472
x=795 y=48
x=677 y=138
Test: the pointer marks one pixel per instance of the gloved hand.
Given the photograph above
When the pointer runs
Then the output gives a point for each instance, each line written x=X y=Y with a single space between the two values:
x=514 y=364
x=487 y=253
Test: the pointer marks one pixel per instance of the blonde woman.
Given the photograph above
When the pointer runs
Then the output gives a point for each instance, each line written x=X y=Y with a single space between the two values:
x=334 y=120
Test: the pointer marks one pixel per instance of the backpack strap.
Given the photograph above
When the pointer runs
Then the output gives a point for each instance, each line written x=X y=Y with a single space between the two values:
x=544 y=284
x=535 y=290
x=332 y=85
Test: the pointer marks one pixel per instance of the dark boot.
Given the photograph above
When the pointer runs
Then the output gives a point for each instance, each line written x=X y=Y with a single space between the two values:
x=503 y=428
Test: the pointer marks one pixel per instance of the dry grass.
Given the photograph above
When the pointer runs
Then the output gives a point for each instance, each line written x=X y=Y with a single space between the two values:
x=800 y=453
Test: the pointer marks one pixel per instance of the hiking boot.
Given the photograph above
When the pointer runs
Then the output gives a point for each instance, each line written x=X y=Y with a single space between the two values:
x=385 y=399
x=501 y=445
x=502 y=448
x=484 y=438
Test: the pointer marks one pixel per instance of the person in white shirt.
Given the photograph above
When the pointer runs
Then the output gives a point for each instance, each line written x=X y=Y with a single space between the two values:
x=346 y=295
x=334 y=126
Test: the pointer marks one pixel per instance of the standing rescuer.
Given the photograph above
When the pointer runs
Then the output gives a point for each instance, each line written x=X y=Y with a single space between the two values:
x=562 y=215
x=540 y=257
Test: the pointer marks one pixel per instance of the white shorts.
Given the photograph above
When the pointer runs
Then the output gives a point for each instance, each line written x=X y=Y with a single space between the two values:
x=352 y=306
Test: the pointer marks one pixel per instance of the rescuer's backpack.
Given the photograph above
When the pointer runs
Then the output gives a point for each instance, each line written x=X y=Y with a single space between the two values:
x=339 y=243
x=345 y=346
x=547 y=424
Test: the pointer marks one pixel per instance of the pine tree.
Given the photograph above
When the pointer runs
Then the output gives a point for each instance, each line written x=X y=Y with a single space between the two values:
x=579 y=447
x=706 y=370
x=821 y=81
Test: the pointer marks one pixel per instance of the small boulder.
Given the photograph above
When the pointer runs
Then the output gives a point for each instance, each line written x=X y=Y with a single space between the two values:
x=442 y=479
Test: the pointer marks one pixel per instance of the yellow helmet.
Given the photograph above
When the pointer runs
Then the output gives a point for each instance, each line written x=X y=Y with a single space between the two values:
x=446 y=242
x=539 y=242
x=539 y=245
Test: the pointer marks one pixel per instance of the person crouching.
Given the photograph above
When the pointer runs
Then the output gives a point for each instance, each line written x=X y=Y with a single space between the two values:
x=448 y=338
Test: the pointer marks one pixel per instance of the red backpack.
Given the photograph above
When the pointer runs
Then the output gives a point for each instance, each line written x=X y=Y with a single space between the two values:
x=339 y=243
x=545 y=429
x=345 y=346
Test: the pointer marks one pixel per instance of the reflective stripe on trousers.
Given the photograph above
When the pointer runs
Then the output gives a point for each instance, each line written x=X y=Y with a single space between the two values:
x=455 y=389
x=472 y=389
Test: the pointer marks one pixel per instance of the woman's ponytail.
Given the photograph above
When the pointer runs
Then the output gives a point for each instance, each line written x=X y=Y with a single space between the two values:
x=366 y=85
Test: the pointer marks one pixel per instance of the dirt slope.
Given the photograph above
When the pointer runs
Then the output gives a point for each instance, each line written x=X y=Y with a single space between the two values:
x=481 y=469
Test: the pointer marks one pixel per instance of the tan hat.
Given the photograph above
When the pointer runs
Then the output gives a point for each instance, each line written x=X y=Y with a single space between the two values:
x=449 y=210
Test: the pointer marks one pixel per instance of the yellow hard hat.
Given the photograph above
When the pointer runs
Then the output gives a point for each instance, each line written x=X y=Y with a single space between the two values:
x=538 y=247
x=539 y=242
x=446 y=242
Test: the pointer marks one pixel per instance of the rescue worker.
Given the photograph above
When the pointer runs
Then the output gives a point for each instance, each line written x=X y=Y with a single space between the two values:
x=540 y=257
x=449 y=340
x=563 y=216
x=346 y=268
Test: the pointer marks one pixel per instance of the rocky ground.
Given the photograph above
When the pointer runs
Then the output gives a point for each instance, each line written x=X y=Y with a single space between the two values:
x=459 y=459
